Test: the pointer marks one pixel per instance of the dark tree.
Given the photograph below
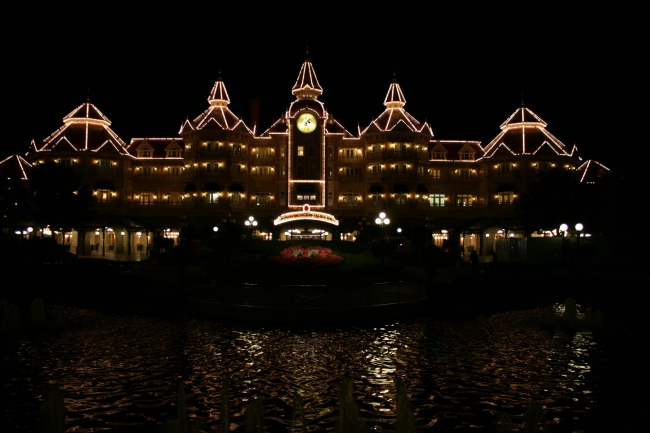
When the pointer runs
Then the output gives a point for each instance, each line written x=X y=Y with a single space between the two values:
x=57 y=197
x=558 y=197
x=13 y=203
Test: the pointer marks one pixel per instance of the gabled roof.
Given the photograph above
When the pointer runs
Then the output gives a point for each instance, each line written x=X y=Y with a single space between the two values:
x=590 y=171
x=524 y=133
x=85 y=128
x=307 y=85
x=333 y=126
x=16 y=166
x=278 y=127
x=218 y=115
x=394 y=116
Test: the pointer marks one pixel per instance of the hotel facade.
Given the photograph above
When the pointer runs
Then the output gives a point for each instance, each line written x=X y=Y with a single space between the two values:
x=306 y=176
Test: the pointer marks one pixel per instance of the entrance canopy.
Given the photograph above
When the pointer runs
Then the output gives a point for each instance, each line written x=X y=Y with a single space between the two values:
x=306 y=214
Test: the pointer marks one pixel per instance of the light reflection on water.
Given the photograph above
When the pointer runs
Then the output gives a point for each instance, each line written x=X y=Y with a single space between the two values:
x=120 y=373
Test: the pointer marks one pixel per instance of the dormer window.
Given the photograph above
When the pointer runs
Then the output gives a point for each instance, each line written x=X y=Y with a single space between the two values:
x=467 y=156
x=145 y=151
x=439 y=153
x=173 y=151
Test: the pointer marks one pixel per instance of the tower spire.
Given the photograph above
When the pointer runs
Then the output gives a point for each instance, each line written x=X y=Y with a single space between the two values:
x=219 y=94
x=307 y=85
x=394 y=97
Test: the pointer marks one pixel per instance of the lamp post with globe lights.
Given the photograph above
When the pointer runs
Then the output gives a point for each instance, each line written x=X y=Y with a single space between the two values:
x=382 y=221
x=578 y=228
x=250 y=224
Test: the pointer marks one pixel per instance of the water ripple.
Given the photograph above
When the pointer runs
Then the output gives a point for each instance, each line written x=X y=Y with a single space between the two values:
x=120 y=373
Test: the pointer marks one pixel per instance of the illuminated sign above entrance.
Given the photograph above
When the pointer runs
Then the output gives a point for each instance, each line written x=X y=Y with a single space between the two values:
x=305 y=214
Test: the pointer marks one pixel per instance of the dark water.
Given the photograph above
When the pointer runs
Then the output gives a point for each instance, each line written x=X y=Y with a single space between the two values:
x=120 y=373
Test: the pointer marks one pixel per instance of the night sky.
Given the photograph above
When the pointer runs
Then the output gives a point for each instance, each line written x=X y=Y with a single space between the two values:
x=463 y=67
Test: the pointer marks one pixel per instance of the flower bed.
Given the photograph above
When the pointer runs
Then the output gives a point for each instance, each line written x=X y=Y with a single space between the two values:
x=309 y=257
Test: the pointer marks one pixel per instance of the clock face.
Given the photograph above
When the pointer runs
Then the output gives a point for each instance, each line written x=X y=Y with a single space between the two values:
x=307 y=123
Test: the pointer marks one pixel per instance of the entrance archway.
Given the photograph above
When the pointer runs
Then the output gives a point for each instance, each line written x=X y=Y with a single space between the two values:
x=306 y=224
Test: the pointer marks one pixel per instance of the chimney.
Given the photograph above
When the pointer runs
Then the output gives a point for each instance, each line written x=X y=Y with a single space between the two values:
x=255 y=112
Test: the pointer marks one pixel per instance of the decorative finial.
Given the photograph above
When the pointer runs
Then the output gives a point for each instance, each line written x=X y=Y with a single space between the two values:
x=394 y=76
x=307 y=53
x=88 y=95
x=522 y=99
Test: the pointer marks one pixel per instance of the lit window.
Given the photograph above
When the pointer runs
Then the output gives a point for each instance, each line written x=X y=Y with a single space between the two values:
x=146 y=198
x=103 y=195
x=301 y=150
x=437 y=200
x=464 y=200
x=505 y=197
x=464 y=173
x=350 y=199
x=401 y=199
x=435 y=173
x=504 y=169
x=262 y=171
x=212 y=197
x=262 y=198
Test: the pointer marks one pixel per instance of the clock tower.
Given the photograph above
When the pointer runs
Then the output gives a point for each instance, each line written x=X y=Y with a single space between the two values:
x=306 y=147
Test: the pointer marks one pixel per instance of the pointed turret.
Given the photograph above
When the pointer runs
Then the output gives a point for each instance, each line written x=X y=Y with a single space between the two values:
x=307 y=85
x=394 y=97
x=394 y=116
x=523 y=117
x=86 y=112
x=219 y=95
x=218 y=115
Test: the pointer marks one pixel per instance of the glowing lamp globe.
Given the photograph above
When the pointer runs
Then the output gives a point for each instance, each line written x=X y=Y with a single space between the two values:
x=579 y=227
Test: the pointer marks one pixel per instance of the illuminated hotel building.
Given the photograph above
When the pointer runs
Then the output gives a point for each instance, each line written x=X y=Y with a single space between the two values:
x=220 y=169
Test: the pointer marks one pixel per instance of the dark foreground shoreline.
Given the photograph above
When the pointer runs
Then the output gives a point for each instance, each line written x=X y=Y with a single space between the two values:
x=622 y=295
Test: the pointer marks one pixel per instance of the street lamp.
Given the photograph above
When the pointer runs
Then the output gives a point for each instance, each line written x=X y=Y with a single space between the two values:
x=215 y=229
x=579 y=228
x=382 y=220
x=251 y=222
